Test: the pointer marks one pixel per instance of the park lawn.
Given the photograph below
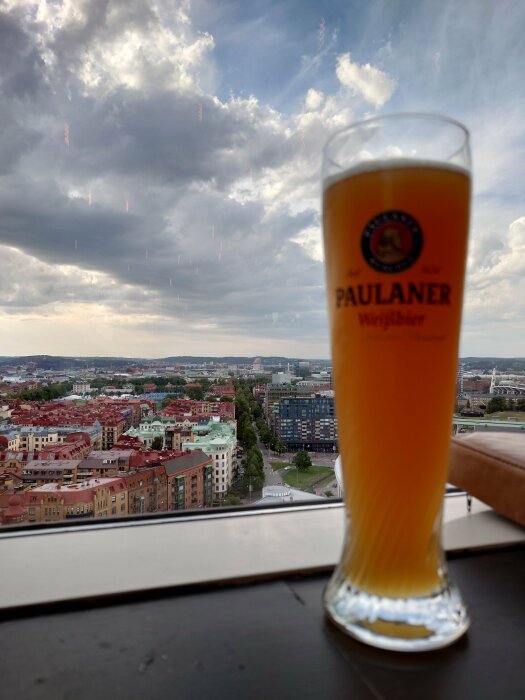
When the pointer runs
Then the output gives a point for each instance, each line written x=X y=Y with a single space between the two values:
x=307 y=479
x=505 y=415
x=327 y=480
x=279 y=465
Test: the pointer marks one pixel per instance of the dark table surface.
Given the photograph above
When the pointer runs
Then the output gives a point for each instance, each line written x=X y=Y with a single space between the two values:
x=266 y=640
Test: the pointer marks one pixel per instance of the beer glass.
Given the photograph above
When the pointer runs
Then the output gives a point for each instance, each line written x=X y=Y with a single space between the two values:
x=396 y=194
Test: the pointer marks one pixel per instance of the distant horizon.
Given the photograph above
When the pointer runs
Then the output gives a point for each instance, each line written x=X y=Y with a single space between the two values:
x=166 y=357
x=218 y=357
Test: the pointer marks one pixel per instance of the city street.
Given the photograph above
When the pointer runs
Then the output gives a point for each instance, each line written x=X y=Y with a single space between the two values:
x=271 y=477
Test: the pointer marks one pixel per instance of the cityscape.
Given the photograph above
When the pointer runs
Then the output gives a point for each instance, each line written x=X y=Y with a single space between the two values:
x=85 y=438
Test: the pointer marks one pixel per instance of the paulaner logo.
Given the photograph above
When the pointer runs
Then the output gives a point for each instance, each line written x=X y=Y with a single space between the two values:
x=392 y=241
x=430 y=293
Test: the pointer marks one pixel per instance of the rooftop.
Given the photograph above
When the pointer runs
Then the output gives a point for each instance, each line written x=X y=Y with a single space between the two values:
x=81 y=486
x=111 y=454
x=195 y=458
x=51 y=464
x=75 y=493
x=215 y=434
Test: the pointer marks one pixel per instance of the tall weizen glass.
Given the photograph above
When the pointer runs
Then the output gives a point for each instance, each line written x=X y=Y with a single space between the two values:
x=396 y=195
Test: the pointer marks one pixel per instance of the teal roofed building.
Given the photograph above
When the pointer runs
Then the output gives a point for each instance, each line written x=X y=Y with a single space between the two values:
x=165 y=427
x=219 y=441
x=147 y=432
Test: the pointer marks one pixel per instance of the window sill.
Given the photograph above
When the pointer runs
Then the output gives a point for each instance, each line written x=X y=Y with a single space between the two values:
x=65 y=563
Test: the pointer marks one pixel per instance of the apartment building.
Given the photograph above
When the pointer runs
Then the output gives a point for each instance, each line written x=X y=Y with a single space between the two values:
x=15 y=512
x=306 y=423
x=172 y=429
x=189 y=480
x=217 y=439
x=46 y=471
x=105 y=463
x=273 y=395
x=225 y=409
x=81 y=387
x=147 y=490
x=112 y=429
x=93 y=498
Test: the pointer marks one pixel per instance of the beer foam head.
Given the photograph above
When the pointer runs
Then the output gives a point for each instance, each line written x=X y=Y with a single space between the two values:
x=373 y=166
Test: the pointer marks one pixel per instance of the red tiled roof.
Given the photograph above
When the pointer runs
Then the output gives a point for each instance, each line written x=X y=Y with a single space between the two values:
x=72 y=494
x=107 y=411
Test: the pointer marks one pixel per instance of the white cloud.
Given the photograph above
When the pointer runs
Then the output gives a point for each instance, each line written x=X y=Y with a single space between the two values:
x=496 y=279
x=372 y=83
x=134 y=44
x=310 y=241
x=313 y=99
x=499 y=260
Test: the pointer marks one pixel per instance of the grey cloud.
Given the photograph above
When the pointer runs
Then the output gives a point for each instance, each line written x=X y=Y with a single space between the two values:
x=16 y=140
x=485 y=251
x=167 y=137
x=28 y=284
x=220 y=263
x=184 y=250
x=21 y=65
x=38 y=218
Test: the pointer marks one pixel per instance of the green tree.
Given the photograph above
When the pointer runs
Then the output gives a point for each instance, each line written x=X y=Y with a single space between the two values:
x=45 y=393
x=157 y=442
x=99 y=383
x=232 y=500
x=498 y=403
x=279 y=446
x=249 y=437
x=520 y=405
x=253 y=477
x=196 y=393
x=302 y=461
x=241 y=404
x=245 y=432
x=255 y=458
x=205 y=384
x=265 y=434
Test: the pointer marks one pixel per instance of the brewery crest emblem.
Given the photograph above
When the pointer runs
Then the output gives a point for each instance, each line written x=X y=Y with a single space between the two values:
x=392 y=241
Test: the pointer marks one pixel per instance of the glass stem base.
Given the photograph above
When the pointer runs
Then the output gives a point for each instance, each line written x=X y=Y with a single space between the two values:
x=399 y=624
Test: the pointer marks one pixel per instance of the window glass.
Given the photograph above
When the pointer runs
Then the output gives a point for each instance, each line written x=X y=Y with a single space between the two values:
x=162 y=290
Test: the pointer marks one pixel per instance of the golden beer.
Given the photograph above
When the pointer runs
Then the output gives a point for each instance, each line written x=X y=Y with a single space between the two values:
x=396 y=198
x=395 y=335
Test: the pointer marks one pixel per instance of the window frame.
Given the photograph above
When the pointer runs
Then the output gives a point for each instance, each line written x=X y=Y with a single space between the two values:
x=196 y=547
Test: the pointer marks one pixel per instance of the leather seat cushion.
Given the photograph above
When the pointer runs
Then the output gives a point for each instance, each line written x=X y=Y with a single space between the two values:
x=491 y=467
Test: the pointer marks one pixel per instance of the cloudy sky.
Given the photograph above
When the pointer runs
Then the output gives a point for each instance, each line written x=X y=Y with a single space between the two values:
x=159 y=164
